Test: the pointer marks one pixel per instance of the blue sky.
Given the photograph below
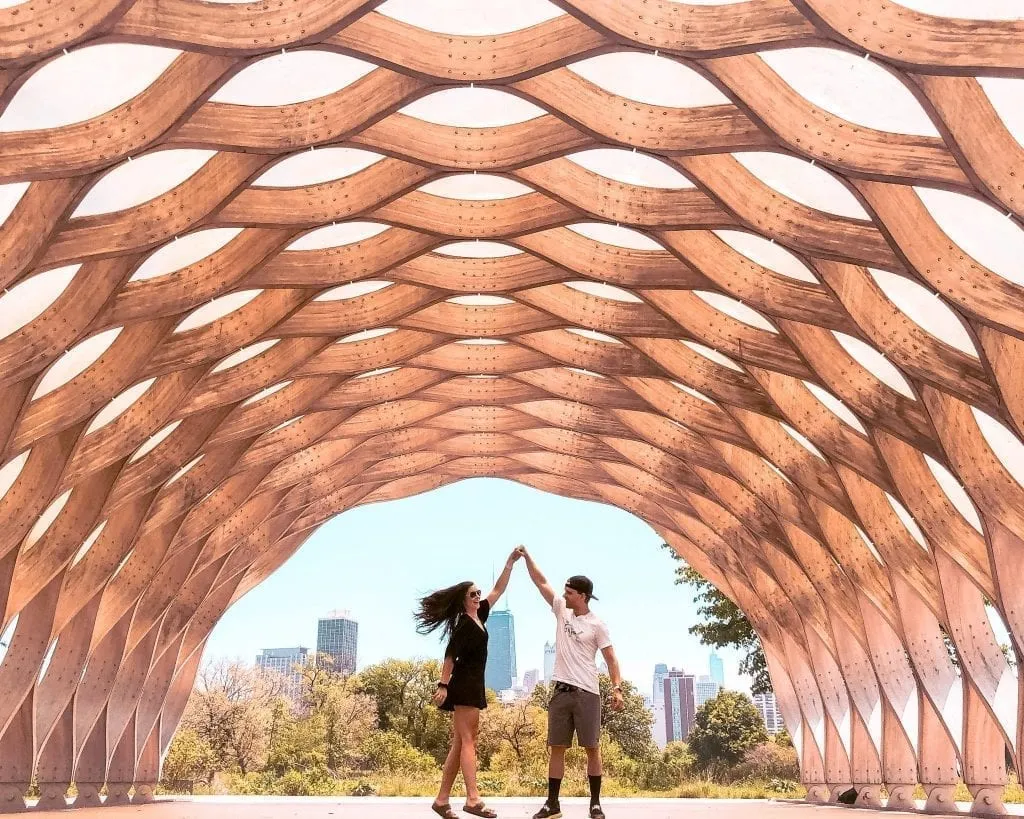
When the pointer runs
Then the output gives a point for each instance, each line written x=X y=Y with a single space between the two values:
x=377 y=559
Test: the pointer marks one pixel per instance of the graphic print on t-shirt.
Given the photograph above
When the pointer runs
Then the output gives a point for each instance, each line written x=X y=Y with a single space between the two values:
x=577 y=641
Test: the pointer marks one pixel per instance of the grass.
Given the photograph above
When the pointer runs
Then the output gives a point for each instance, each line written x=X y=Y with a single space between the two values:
x=425 y=785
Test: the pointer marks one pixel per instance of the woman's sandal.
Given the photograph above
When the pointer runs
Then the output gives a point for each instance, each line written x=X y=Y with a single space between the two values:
x=444 y=811
x=479 y=809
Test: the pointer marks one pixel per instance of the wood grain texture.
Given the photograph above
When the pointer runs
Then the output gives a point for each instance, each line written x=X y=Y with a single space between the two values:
x=669 y=373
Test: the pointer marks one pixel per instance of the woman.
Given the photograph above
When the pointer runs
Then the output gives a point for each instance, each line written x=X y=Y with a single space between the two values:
x=460 y=614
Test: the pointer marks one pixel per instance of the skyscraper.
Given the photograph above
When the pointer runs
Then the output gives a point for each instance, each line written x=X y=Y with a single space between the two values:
x=658 y=704
x=770 y=714
x=530 y=680
x=717 y=669
x=288 y=664
x=678 y=695
x=500 y=672
x=705 y=689
x=549 y=661
x=337 y=638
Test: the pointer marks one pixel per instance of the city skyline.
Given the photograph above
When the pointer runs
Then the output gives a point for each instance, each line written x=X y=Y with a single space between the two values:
x=674 y=705
x=377 y=560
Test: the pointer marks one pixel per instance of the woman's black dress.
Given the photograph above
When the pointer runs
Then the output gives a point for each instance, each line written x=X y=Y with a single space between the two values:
x=468 y=648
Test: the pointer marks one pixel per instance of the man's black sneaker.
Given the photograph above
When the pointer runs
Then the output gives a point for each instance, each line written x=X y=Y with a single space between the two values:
x=596 y=812
x=548 y=812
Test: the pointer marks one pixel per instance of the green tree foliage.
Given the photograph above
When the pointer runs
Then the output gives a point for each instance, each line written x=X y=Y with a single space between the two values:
x=630 y=728
x=239 y=729
x=389 y=751
x=344 y=715
x=662 y=770
x=402 y=690
x=724 y=625
x=189 y=759
x=725 y=728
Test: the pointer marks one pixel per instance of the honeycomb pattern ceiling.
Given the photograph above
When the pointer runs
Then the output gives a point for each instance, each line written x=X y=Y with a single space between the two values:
x=749 y=270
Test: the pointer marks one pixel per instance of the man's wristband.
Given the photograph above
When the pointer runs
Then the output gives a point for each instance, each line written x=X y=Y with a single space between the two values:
x=442 y=684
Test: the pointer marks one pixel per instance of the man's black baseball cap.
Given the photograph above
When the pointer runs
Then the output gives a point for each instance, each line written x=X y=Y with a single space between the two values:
x=582 y=585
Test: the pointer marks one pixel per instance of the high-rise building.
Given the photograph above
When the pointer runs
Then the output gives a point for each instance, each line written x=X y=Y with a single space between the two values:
x=549 y=661
x=530 y=680
x=658 y=704
x=705 y=689
x=500 y=672
x=337 y=640
x=717 y=669
x=769 y=711
x=678 y=695
x=287 y=664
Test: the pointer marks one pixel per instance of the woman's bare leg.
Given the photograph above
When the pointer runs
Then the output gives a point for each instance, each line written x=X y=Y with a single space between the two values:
x=451 y=768
x=467 y=723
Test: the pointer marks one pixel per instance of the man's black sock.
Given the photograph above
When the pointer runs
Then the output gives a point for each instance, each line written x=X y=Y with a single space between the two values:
x=595 y=790
x=554 y=786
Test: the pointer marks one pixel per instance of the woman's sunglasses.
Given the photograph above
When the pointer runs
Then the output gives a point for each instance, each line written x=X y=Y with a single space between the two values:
x=475 y=594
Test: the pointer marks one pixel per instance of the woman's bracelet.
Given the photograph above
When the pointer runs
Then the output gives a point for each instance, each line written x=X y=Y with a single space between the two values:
x=442 y=684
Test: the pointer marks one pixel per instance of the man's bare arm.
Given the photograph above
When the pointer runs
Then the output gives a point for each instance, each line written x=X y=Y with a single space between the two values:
x=618 y=700
x=538 y=579
x=613 y=665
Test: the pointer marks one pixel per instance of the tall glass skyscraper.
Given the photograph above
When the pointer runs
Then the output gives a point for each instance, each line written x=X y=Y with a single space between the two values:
x=500 y=672
x=337 y=637
x=717 y=669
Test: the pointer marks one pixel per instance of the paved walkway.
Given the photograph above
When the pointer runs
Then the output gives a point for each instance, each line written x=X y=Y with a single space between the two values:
x=402 y=808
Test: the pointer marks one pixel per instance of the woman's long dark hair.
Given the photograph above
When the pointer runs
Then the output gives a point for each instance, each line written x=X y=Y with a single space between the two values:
x=442 y=609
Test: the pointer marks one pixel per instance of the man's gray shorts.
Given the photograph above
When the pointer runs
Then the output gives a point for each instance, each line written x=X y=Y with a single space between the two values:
x=576 y=711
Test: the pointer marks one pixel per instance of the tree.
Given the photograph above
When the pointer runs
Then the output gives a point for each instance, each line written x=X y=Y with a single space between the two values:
x=512 y=725
x=344 y=716
x=724 y=625
x=189 y=759
x=402 y=690
x=630 y=727
x=389 y=751
x=725 y=728
x=769 y=760
x=231 y=710
x=662 y=770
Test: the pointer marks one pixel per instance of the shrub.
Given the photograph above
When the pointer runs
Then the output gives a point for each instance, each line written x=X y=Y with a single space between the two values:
x=768 y=761
x=390 y=752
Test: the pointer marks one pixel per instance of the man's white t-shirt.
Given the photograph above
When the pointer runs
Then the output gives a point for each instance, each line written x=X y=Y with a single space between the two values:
x=577 y=641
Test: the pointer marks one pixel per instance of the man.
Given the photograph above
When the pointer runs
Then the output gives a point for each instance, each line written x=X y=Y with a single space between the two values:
x=575 y=705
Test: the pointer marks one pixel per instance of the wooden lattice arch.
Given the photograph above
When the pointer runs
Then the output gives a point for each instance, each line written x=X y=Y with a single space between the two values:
x=169 y=438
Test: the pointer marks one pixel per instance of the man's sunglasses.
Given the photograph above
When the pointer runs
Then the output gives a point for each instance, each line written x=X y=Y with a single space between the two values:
x=475 y=594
